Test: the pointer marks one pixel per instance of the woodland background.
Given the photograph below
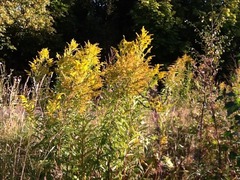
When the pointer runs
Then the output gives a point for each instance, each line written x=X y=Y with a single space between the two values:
x=28 y=26
x=119 y=89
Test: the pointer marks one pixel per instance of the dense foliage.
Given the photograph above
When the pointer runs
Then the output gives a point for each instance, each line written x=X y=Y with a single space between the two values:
x=27 y=26
x=73 y=114
x=108 y=121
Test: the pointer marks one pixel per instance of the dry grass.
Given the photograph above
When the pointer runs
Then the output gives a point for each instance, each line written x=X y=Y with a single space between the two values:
x=11 y=121
x=12 y=113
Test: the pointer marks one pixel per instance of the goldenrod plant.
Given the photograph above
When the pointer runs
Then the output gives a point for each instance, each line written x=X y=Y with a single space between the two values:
x=178 y=80
x=124 y=120
x=131 y=73
x=107 y=120
x=78 y=74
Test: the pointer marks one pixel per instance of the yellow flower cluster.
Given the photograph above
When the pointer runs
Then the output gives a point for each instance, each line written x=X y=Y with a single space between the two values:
x=132 y=74
x=80 y=78
x=41 y=65
x=78 y=71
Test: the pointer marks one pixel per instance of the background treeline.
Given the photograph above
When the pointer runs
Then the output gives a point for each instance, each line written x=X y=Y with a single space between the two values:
x=93 y=112
x=28 y=26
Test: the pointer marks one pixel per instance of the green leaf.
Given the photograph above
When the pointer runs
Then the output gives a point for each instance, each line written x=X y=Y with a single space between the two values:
x=231 y=107
x=237 y=118
x=233 y=155
x=228 y=134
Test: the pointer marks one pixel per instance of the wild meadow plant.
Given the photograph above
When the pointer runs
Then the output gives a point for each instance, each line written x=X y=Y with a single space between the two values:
x=78 y=118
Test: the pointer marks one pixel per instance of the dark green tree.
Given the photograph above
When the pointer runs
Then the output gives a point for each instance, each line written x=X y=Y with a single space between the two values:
x=27 y=26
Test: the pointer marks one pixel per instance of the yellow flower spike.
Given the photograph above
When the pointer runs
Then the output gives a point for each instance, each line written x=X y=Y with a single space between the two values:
x=23 y=99
x=44 y=54
x=40 y=67
x=132 y=74
x=78 y=71
x=29 y=105
x=73 y=46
